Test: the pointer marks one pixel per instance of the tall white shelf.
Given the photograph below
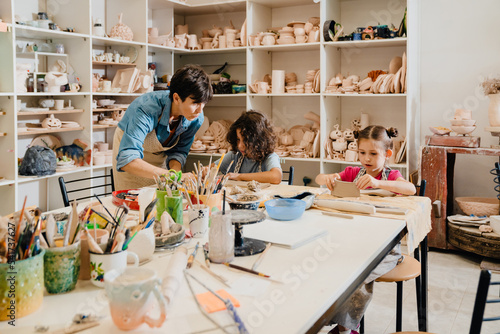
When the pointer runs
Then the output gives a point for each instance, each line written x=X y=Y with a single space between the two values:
x=246 y=64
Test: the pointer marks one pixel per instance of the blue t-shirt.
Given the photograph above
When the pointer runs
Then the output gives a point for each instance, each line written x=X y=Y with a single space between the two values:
x=249 y=165
x=142 y=117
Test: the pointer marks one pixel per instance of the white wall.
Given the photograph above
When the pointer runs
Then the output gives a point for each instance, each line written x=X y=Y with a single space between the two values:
x=458 y=48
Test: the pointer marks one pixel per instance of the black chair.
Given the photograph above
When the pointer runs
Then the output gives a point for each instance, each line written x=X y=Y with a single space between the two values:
x=290 y=176
x=479 y=305
x=65 y=192
x=410 y=268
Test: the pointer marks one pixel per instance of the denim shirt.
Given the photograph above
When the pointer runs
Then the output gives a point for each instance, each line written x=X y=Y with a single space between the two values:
x=142 y=117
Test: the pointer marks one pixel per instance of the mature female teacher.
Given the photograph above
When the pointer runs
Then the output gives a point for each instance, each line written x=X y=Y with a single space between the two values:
x=158 y=128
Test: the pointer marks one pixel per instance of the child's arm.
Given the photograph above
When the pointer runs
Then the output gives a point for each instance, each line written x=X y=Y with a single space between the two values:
x=272 y=176
x=400 y=185
x=328 y=180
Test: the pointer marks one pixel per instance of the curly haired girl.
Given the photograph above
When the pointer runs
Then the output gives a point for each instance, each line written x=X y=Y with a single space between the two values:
x=252 y=150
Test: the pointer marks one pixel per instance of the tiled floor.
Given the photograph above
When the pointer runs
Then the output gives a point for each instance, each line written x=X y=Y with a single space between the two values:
x=453 y=279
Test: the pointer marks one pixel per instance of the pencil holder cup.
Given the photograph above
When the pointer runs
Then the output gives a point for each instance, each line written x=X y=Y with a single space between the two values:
x=100 y=236
x=61 y=267
x=100 y=264
x=23 y=281
x=130 y=292
x=198 y=220
x=215 y=201
x=161 y=203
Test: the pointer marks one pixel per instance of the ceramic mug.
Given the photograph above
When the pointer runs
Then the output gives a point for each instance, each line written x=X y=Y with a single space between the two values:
x=351 y=155
x=108 y=57
x=61 y=267
x=59 y=104
x=106 y=86
x=100 y=264
x=101 y=236
x=198 y=220
x=129 y=291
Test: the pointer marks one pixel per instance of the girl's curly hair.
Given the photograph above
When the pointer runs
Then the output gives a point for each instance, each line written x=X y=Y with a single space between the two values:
x=257 y=132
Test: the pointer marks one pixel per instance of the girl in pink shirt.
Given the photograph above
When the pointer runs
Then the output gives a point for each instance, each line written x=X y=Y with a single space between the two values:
x=374 y=150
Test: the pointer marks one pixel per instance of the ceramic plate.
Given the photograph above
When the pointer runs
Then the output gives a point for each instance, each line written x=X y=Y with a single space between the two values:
x=203 y=128
x=403 y=74
x=397 y=81
x=131 y=52
x=295 y=22
x=46 y=141
x=315 y=149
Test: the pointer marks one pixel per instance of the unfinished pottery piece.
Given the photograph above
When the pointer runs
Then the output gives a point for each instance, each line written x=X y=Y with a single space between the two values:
x=121 y=31
x=51 y=122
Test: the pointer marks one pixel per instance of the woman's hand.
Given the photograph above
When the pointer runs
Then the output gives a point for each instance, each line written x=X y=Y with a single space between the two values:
x=187 y=177
x=367 y=181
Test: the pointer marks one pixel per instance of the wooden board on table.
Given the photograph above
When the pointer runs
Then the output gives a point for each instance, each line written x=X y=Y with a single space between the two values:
x=457 y=141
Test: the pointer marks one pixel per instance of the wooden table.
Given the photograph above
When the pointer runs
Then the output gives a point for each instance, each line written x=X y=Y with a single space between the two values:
x=317 y=278
x=438 y=163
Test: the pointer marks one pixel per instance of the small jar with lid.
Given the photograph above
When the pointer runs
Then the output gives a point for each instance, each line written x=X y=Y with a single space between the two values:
x=30 y=85
x=42 y=85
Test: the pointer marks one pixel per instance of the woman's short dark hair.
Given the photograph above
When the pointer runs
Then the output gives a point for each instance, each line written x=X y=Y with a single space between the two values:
x=257 y=132
x=378 y=133
x=191 y=81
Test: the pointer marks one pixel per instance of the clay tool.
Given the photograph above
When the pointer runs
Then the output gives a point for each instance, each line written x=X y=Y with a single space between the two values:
x=38 y=213
x=18 y=227
x=205 y=251
x=336 y=214
x=118 y=244
x=229 y=306
x=216 y=276
x=259 y=260
x=230 y=265
x=94 y=247
x=50 y=230
x=193 y=254
x=106 y=209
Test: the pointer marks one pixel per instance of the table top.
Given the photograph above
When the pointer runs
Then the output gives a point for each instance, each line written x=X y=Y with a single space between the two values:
x=314 y=276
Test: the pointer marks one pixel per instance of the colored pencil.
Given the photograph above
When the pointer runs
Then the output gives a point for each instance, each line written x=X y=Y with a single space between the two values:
x=246 y=270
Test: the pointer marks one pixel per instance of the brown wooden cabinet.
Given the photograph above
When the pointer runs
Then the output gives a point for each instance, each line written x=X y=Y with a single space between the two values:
x=438 y=164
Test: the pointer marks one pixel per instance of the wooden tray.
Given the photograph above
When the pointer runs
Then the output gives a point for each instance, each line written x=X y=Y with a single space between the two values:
x=456 y=141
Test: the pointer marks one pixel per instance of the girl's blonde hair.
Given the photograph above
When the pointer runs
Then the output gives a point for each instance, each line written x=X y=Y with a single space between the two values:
x=377 y=133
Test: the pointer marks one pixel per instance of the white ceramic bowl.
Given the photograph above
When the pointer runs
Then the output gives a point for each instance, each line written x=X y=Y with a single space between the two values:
x=463 y=130
x=462 y=122
x=440 y=132
x=495 y=224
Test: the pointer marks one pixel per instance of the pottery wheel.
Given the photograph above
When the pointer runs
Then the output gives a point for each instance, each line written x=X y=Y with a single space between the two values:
x=246 y=246
x=245 y=217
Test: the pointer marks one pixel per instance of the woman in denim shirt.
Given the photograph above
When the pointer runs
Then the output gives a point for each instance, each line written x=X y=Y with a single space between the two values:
x=157 y=131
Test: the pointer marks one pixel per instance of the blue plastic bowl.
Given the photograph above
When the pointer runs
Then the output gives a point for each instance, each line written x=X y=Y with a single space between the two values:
x=285 y=209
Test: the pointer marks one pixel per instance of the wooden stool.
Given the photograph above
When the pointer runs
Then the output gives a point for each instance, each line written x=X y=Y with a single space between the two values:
x=406 y=270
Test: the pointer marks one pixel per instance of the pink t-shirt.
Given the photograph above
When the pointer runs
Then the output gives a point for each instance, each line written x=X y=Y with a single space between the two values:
x=350 y=173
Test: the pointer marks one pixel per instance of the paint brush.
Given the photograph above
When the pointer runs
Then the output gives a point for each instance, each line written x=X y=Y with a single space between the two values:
x=259 y=260
x=191 y=257
x=230 y=265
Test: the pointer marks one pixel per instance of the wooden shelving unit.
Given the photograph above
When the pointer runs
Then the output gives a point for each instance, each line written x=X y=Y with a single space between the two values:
x=32 y=113
x=247 y=64
x=45 y=131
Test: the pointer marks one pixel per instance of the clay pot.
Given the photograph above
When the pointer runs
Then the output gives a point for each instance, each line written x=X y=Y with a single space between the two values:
x=214 y=31
x=286 y=139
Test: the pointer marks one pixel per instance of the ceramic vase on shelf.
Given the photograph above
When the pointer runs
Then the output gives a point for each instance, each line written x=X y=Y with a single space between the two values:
x=494 y=110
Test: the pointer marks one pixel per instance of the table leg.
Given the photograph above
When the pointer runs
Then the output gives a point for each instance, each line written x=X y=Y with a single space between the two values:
x=422 y=326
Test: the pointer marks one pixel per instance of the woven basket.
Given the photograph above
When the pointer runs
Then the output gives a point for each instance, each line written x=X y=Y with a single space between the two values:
x=478 y=206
